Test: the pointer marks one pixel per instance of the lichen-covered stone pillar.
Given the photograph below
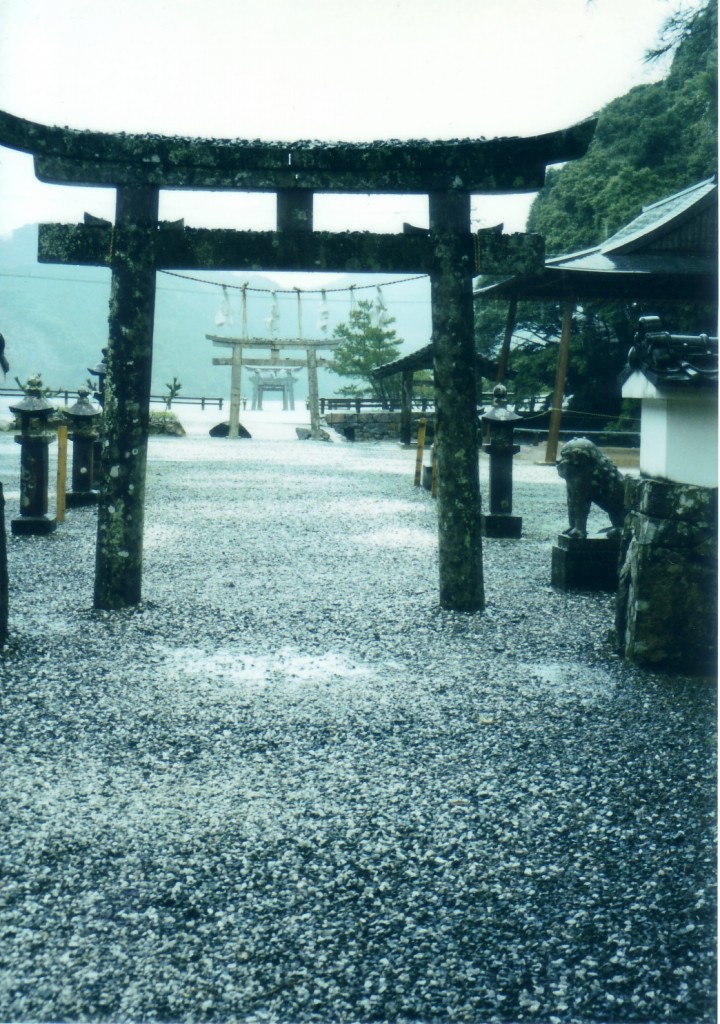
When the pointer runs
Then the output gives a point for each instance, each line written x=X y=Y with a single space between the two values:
x=456 y=429
x=119 y=552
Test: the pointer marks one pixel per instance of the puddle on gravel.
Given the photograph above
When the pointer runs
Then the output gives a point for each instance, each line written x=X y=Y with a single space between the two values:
x=568 y=682
x=285 y=668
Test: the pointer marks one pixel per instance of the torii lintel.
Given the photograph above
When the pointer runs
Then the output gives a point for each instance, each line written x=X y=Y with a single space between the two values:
x=67 y=155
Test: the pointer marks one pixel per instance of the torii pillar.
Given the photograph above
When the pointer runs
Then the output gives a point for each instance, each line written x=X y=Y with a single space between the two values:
x=456 y=429
x=121 y=506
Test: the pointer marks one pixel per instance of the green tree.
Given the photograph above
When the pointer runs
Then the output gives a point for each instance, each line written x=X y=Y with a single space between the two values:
x=366 y=341
x=655 y=140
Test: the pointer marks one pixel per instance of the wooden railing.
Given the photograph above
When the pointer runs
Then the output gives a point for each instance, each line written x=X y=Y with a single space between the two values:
x=66 y=394
x=360 y=404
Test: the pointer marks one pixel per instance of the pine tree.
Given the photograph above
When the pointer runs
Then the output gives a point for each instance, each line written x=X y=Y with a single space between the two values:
x=365 y=344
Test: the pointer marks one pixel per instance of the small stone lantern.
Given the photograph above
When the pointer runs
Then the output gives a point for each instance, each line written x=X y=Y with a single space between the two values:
x=100 y=371
x=33 y=414
x=83 y=417
x=498 y=427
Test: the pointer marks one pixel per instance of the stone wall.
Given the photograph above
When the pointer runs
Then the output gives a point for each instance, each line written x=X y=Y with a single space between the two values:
x=667 y=611
x=372 y=426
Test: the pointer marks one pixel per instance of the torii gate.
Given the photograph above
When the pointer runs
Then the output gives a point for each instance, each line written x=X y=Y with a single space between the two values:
x=138 y=166
x=236 y=362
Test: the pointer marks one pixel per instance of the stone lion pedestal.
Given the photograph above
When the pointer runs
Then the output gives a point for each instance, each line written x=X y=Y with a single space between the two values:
x=580 y=562
x=585 y=563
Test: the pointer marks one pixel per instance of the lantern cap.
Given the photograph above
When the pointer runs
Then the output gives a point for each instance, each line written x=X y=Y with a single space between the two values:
x=33 y=402
x=83 y=407
x=500 y=412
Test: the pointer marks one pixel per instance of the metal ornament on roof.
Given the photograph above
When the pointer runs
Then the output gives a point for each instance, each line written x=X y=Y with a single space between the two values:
x=672 y=359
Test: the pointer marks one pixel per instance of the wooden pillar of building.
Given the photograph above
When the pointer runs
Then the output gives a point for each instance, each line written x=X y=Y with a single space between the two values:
x=119 y=552
x=406 y=397
x=456 y=428
x=504 y=359
x=560 y=376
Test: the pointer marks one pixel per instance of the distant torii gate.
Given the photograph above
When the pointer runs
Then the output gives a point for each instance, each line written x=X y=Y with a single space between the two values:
x=268 y=379
x=137 y=245
x=311 y=361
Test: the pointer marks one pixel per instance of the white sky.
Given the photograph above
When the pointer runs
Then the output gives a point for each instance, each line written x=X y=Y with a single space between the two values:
x=295 y=69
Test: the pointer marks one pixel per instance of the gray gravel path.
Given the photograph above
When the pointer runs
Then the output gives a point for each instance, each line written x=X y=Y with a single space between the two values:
x=288 y=788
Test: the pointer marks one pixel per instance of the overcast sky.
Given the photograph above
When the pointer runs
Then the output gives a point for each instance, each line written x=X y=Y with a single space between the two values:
x=298 y=69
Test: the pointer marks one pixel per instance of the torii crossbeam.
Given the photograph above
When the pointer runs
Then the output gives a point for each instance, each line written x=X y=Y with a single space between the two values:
x=138 y=166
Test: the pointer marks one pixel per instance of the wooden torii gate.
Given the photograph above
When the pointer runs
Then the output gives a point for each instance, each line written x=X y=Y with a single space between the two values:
x=236 y=361
x=137 y=245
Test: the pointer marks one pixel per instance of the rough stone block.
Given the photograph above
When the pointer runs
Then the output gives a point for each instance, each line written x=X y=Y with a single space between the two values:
x=588 y=563
x=667 y=608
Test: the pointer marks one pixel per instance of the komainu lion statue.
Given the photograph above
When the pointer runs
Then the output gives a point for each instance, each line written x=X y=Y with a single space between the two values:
x=590 y=477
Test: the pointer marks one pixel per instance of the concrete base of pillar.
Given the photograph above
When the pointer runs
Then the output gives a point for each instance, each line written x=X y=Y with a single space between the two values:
x=26 y=525
x=589 y=563
x=501 y=525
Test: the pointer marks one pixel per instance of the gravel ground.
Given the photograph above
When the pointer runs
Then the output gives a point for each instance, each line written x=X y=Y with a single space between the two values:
x=289 y=788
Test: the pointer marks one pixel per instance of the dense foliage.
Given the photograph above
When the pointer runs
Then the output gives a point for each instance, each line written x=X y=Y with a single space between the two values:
x=655 y=140
x=366 y=340
x=650 y=143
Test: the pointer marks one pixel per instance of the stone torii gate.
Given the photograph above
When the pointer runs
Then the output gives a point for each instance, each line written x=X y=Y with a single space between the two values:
x=236 y=361
x=137 y=245
x=268 y=379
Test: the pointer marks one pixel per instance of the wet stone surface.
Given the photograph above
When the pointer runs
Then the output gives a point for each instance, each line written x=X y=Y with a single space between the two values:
x=289 y=788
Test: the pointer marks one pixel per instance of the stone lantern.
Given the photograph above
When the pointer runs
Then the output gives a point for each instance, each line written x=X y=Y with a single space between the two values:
x=33 y=414
x=83 y=417
x=100 y=371
x=499 y=424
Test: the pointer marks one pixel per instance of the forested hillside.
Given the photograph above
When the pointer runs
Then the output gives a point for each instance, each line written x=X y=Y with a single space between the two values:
x=655 y=140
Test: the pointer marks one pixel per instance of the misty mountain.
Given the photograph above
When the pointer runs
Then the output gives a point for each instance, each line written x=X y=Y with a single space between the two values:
x=54 y=318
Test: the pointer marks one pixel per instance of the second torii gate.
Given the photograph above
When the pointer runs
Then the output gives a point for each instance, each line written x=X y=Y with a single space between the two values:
x=311 y=361
x=137 y=245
